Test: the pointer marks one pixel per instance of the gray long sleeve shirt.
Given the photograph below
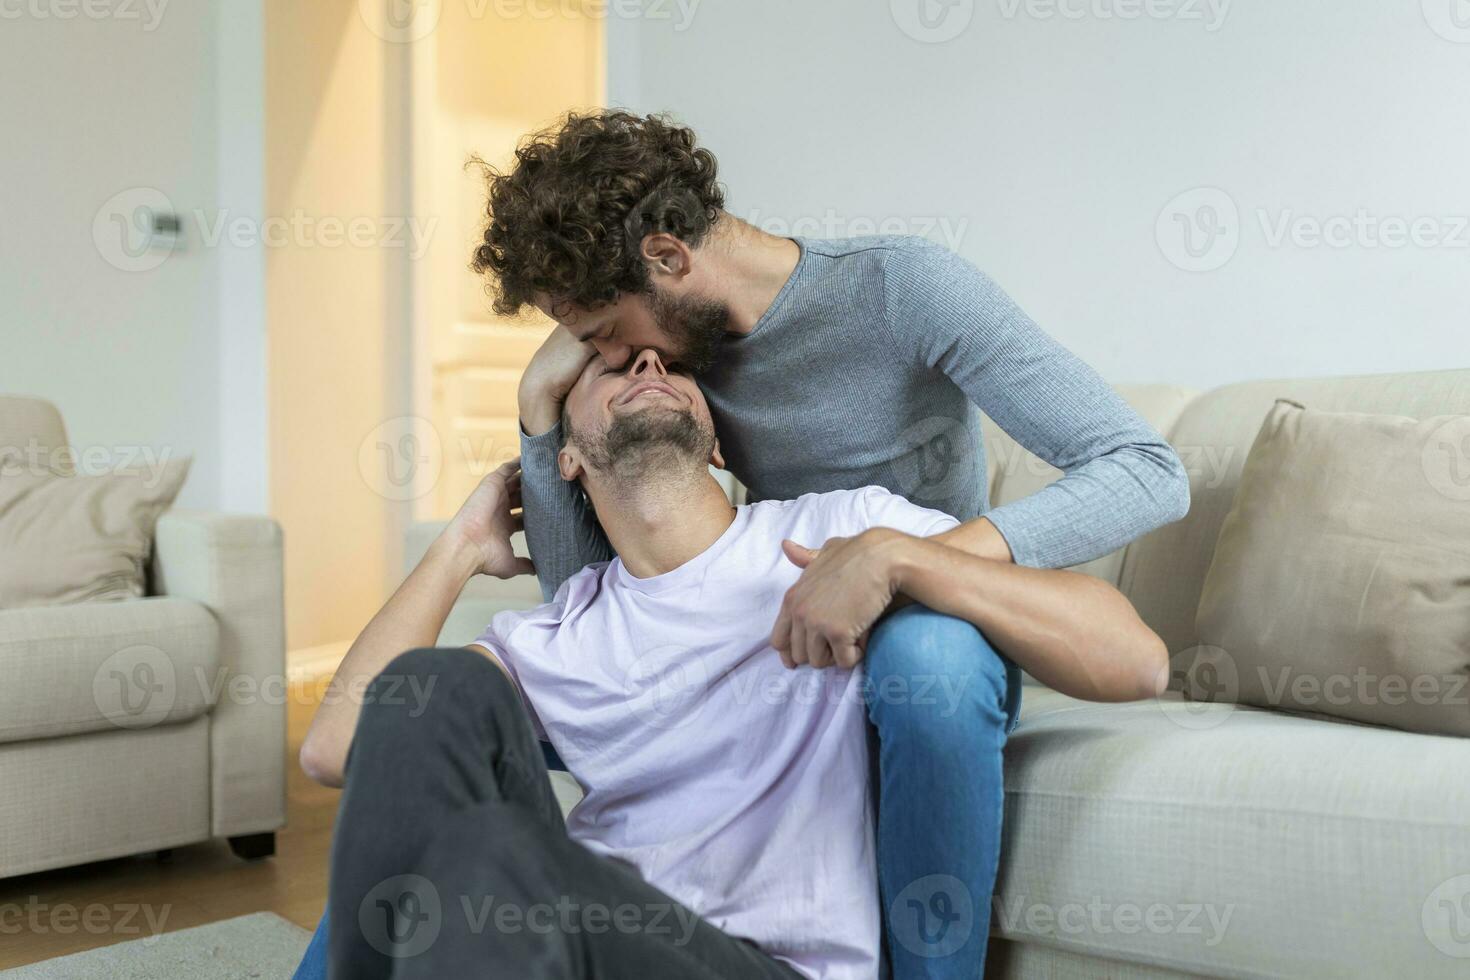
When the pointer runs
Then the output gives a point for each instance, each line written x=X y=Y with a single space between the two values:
x=871 y=367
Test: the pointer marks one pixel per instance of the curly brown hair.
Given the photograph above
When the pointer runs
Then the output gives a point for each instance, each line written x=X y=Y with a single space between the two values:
x=568 y=219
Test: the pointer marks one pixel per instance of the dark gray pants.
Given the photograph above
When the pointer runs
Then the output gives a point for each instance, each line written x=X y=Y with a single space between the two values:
x=451 y=858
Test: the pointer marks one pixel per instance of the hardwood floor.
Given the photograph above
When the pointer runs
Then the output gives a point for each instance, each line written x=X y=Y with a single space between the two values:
x=52 y=913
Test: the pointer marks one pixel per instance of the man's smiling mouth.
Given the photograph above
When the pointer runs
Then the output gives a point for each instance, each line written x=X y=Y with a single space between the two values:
x=648 y=388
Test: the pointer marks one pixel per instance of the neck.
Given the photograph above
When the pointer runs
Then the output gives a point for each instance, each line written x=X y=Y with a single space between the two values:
x=656 y=525
x=749 y=267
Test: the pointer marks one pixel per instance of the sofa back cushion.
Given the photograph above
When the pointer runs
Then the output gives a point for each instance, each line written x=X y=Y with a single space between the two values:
x=1164 y=572
x=81 y=538
x=1340 y=582
x=32 y=437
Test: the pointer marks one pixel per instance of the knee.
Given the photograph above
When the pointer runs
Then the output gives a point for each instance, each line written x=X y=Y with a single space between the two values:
x=422 y=684
x=932 y=675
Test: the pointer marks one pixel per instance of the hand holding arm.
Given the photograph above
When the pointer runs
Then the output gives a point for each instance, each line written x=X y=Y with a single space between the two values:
x=1072 y=632
x=475 y=542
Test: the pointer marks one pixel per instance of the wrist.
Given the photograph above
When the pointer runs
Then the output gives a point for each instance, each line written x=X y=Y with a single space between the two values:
x=897 y=554
x=455 y=552
x=539 y=406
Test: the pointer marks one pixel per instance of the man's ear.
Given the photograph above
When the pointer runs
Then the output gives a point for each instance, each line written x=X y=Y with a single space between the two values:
x=666 y=255
x=715 y=459
x=569 y=463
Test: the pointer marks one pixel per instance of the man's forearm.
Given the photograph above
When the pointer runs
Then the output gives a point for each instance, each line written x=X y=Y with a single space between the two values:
x=412 y=618
x=1072 y=632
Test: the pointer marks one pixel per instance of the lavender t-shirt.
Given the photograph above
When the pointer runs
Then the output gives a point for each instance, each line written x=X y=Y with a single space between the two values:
x=738 y=787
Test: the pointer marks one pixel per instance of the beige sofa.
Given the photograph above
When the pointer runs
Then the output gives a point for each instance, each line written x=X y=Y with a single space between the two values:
x=80 y=781
x=1167 y=839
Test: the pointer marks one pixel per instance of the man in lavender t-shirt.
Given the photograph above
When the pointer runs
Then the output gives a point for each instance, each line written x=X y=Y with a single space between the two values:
x=727 y=827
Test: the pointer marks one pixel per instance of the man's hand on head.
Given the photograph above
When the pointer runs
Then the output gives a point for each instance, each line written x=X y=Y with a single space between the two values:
x=554 y=369
x=844 y=587
x=487 y=519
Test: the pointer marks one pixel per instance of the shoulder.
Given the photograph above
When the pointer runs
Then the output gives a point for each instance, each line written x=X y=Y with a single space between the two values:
x=577 y=594
x=833 y=513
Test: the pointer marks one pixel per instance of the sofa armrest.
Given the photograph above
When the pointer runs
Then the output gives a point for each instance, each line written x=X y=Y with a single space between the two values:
x=232 y=564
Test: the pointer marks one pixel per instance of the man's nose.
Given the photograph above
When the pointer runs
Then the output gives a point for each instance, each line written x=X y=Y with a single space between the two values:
x=647 y=362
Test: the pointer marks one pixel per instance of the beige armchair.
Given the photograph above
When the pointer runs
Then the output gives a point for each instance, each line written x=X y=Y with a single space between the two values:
x=142 y=725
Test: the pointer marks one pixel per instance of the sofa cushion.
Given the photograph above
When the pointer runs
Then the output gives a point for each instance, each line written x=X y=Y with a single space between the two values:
x=106 y=666
x=70 y=539
x=1164 y=572
x=1341 y=580
x=1227 y=840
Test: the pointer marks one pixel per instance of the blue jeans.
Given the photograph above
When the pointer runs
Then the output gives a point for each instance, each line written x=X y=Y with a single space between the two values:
x=941 y=701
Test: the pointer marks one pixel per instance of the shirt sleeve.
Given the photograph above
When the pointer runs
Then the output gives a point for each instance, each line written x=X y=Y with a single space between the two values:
x=493 y=638
x=562 y=533
x=883 y=508
x=1120 y=478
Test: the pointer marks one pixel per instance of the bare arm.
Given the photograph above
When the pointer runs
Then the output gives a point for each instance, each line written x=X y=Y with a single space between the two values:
x=476 y=541
x=1073 y=632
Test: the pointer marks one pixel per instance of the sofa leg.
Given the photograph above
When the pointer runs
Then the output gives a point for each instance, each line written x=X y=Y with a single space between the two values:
x=253 y=847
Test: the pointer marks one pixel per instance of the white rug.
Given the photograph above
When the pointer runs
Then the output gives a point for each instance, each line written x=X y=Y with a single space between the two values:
x=262 y=946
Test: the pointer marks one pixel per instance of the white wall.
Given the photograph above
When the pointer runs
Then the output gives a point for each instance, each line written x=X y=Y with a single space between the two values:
x=1046 y=149
x=127 y=99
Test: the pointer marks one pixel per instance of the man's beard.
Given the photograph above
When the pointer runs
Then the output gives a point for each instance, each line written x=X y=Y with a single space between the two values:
x=634 y=445
x=695 y=328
